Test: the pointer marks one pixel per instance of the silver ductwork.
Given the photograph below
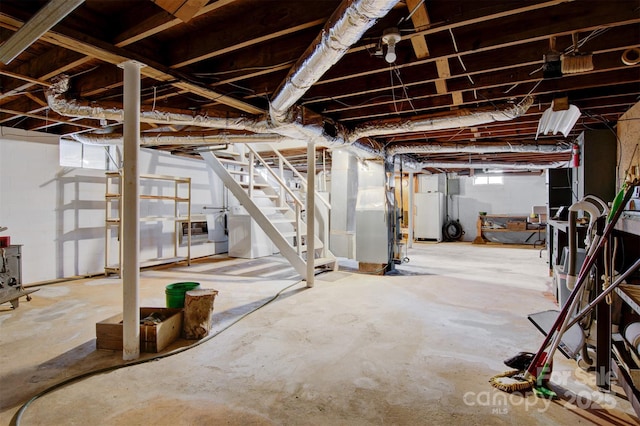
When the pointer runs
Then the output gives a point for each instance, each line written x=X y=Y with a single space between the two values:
x=72 y=108
x=463 y=118
x=487 y=165
x=148 y=140
x=268 y=131
x=485 y=149
x=345 y=27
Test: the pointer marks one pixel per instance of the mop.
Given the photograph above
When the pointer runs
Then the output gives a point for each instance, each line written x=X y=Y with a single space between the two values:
x=539 y=366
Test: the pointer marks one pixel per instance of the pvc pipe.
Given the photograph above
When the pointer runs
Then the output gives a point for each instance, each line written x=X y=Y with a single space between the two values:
x=130 y=267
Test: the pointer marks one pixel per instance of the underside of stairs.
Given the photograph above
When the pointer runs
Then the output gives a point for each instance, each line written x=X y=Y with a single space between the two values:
x=264 y=193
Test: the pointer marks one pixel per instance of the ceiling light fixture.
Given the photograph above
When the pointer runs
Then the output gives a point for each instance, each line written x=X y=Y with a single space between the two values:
x=390 y=37
x=48 y=16
x=561 y=117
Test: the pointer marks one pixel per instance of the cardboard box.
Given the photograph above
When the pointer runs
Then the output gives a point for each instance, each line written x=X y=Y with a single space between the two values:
x=516 y=226
x=153 y=338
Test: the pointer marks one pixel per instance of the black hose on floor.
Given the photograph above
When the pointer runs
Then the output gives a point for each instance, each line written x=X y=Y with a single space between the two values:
x=15 y=421
x=452 y=231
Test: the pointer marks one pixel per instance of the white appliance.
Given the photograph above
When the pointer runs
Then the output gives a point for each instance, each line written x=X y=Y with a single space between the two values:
x=428 y=215
x=246 y=239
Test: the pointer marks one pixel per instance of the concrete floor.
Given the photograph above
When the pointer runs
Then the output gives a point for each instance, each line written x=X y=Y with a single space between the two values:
x=415 y=348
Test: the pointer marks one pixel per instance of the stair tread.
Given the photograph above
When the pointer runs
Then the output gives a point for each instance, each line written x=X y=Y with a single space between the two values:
x=239 y=172
x=274 y=208
x=255 y=185
x=233 y=162
x=293 y=234
x=321 y=261
x=282 y=220
x=304 y=247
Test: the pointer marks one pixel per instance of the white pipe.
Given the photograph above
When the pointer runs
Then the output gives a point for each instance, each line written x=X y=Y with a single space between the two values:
x=130 y=220
x=345 y=27
x=311 y=209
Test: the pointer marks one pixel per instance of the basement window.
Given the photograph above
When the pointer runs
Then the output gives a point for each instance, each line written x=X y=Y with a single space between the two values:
x=487 y=180
x=76 y=154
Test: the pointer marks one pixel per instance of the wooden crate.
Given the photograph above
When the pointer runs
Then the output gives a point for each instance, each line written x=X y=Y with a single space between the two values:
x=153 y=338
x=513 y=225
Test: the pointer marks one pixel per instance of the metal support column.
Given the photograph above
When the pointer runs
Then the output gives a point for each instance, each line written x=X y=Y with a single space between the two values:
x=130 y=268
x=410 y=225
x=311 y=208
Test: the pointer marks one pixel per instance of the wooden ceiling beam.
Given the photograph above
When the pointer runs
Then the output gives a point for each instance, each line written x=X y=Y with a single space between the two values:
x=598 y=16
x=86 y=45
x=158 y=23
x=220 y=38
x=420 y=20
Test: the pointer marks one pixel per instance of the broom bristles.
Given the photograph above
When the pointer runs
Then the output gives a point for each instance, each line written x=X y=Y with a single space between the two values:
x=572 y=64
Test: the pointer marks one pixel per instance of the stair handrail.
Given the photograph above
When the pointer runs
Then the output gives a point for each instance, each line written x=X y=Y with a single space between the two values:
x=278 y=179
x=299 y=175
x=299 y=205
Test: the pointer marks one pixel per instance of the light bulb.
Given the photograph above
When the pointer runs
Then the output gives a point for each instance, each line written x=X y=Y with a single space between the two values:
x=390 y=37
x=391 y=53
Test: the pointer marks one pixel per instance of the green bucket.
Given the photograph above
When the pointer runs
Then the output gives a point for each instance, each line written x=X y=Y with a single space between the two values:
x=175 y=293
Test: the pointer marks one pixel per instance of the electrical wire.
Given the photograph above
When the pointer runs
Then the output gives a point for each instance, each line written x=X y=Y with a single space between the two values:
x=18 y=416
x=268 y=67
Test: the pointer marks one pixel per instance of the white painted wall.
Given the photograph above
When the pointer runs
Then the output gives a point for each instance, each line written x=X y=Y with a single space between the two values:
x=515 y=196
x=57 y=213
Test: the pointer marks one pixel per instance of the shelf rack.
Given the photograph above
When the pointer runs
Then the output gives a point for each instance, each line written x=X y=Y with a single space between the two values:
x=181 y=197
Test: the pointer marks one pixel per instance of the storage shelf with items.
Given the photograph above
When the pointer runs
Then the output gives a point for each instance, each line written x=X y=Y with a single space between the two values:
x=517 y=229
x=179 y=197
x=625 y=359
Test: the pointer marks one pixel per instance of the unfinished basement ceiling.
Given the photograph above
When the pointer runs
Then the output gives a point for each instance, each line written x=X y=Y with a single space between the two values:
x=231 y=60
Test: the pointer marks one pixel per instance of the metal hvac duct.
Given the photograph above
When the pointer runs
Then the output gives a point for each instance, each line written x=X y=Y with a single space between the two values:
x=463 y=118
x=160 y=140
x=487 y=165
x=435 y=148
x=345 y=27
x=266 y=131
x=71 y=108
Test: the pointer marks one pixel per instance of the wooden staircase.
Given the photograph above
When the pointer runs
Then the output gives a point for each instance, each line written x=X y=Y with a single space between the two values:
x=276 y=208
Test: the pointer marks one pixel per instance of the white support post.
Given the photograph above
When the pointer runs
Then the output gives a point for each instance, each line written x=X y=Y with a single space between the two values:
x=311 y=208
x=251 y=169
x=130 y=267
x=411 y=191
x=282 y=199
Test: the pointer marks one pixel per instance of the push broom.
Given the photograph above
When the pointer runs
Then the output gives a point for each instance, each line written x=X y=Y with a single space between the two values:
x=576 y=61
